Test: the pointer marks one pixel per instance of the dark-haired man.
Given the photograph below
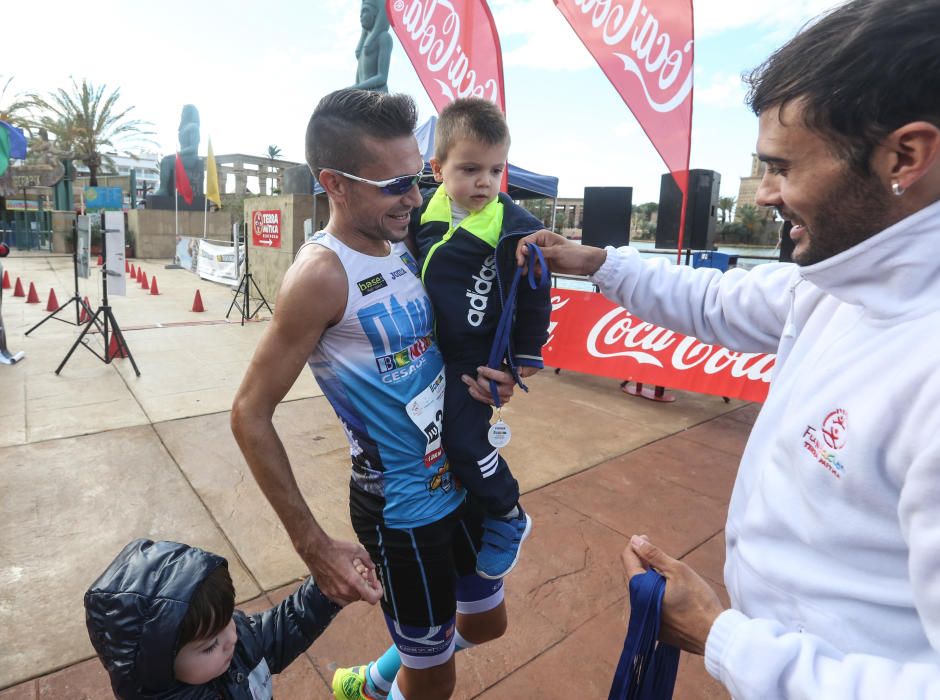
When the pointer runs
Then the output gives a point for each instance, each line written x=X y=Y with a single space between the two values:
x=833 y=533
x=352 y=307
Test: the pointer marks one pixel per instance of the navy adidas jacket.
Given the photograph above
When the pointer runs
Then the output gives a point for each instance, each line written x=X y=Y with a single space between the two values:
x=467 y=272
x=134 y=611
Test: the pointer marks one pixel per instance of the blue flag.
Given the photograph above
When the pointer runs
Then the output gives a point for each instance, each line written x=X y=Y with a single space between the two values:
x=17 y=140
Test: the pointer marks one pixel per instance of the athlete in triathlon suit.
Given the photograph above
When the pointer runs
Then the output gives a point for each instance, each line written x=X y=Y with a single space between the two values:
x=353 y=308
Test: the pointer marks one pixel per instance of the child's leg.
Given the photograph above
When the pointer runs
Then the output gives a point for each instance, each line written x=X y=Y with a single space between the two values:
x=486 y=476
x=477 y=465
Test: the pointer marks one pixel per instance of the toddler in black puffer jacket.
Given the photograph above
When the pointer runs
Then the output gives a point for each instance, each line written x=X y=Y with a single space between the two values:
x=162 y=620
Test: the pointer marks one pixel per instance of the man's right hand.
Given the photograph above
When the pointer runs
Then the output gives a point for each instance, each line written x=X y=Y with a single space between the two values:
x=344 y=572
x=563 y=256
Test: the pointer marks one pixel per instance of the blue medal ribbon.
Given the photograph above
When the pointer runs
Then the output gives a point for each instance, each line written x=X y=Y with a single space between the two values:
x=504 y=328
x=647 y=669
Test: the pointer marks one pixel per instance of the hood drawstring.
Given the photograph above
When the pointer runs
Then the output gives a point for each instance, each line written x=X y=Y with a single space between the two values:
x=789 y=330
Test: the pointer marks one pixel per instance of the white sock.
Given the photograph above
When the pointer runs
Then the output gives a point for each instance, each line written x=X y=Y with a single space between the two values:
x=378 y=680
x=396 y=693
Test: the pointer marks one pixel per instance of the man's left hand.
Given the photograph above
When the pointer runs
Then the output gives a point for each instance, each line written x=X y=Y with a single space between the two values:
x=479 y=386
x=690 y=606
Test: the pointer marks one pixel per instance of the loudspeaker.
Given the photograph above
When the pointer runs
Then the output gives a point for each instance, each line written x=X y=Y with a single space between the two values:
x=606 y=218
x=701 y=212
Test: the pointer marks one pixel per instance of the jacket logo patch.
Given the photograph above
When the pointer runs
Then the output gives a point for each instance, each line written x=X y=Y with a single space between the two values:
x=479 y=295
x=832 y=436
x=372 y=284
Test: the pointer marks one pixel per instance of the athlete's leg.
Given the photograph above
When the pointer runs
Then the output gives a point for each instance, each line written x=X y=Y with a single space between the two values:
x=481 y=605
x=418 y=573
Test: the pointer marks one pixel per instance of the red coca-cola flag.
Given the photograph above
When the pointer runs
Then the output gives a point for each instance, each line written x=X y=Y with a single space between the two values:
x=453 y=46
x=645 y=48
x=182 y=181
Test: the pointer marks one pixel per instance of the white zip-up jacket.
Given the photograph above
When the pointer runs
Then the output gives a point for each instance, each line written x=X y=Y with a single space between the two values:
x=833 y=533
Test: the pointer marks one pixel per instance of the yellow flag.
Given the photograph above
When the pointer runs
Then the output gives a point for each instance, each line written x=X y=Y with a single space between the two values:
x=212 y=179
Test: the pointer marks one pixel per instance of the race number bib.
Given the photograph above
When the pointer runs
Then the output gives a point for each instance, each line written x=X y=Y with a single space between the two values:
x=426 y=411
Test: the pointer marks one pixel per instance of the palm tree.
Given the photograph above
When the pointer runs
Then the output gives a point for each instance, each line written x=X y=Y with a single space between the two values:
x=14 y=111
x=750 y=218
x=86 y=121
x=725 y=205
x=273 y=154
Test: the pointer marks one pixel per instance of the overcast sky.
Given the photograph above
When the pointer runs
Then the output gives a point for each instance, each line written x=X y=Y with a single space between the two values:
x=255 y=70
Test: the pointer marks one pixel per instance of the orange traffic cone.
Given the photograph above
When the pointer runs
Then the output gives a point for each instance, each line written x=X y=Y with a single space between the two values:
x=100 y=261
x=143 y=281
x=84 y=317
x=153 y=287
x=18 y=289
x=53 y=303
x=116 y=350
x=133 y=271
x=6 y=280
x=32 y=297
x=197 y=302
x=127 y=267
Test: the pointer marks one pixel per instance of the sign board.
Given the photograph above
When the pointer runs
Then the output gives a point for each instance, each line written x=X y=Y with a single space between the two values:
x=266 y=228
x=83 y=225
x=114 y=244
x=36 y=174
x=591 y=334
x=20 y=205
x=211 y=260
x=109 y=198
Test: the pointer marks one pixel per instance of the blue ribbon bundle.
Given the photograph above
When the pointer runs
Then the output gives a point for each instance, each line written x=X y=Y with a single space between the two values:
x=647 y=669
x=503 y=329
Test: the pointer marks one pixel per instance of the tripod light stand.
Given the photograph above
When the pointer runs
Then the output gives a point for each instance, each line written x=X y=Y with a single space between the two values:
x=105 y=316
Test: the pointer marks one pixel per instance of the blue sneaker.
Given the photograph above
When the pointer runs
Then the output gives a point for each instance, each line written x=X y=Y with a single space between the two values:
x=502 y=538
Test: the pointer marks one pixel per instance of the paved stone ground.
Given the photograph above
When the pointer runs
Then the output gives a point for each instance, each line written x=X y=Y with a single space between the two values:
x=95 y=457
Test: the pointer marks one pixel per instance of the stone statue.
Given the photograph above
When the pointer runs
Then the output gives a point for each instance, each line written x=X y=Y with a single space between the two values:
x=374 y=49
x=192 y=163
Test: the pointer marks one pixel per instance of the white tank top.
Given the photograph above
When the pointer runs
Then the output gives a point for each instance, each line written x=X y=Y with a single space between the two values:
x=382 y=372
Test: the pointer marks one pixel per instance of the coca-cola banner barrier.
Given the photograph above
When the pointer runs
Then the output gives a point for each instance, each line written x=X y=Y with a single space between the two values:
x=590 y=334
x=645 y=49
x=453 y=46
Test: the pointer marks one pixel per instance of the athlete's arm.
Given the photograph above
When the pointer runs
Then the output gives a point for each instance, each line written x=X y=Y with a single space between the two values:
x=479 y=386
x=312 y=296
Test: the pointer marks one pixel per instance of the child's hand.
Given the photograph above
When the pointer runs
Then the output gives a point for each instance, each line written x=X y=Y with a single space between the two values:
x=368 y=574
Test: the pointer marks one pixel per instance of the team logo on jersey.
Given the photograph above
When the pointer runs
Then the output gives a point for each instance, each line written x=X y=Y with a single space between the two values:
x=821 y=442
x=372 y=284
x=410 y=262
x=400 y=335
x=405 y=357
x=443 y=480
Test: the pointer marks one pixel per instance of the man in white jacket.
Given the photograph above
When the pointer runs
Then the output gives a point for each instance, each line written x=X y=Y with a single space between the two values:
x=833 y=532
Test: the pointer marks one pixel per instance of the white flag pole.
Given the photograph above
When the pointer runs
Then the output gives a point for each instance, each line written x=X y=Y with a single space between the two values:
x=205 y=216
